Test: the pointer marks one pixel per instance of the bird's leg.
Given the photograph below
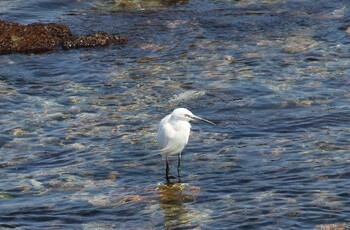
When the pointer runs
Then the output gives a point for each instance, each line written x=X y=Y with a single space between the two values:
x=178 y=167
x=167 y=169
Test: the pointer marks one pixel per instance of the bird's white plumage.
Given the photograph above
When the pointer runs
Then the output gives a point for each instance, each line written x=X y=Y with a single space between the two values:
x=174 y=131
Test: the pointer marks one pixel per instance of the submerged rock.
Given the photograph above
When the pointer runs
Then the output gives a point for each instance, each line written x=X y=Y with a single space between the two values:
x=92 y=40
x=138 y=4
x=336 y=226
x=299 y=43
x=345 y=28
x=105 y=225
x=43 y=37
x=5 y=195
x=187 y=95
x=176 y=193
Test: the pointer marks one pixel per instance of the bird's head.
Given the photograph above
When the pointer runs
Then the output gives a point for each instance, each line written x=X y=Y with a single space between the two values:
x=183 y=114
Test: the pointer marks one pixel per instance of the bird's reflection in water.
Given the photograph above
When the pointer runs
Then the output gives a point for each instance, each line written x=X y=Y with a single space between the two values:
x=173 y=198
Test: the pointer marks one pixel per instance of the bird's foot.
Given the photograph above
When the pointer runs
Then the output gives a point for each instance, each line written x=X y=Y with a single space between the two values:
x=179 y=179
x=172 y=177
x=168 y=178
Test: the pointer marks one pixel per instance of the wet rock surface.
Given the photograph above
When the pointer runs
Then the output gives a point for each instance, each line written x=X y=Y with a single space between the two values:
x=43 y=37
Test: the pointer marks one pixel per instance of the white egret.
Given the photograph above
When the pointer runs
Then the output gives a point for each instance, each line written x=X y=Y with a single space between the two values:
x=173 y=134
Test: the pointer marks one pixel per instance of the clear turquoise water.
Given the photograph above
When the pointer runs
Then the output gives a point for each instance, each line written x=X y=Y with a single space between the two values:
x=77 y=127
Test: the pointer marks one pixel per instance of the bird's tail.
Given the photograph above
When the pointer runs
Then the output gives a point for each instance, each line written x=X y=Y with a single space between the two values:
x=153 y=154
x=173 y=148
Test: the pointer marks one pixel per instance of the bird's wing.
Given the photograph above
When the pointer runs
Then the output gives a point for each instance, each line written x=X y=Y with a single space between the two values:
x=173 y=147
x=164 y=132
x=170 y=140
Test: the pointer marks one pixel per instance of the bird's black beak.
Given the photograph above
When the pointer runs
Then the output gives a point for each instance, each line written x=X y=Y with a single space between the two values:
x=194 y=117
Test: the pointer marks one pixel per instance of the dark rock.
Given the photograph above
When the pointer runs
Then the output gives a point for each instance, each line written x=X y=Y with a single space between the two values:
x=43 y=37
x=346 y=27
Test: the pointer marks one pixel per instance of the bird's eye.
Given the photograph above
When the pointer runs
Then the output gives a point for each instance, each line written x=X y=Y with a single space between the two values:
x=186 y=115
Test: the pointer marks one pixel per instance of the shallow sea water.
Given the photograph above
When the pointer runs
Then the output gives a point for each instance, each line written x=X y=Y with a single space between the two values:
x=77 y=127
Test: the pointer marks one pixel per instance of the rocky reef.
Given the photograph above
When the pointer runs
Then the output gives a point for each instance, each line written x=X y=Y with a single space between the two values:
x=43 y=37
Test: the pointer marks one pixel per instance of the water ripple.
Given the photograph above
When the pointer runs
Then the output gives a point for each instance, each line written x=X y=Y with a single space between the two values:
x=78 y=127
